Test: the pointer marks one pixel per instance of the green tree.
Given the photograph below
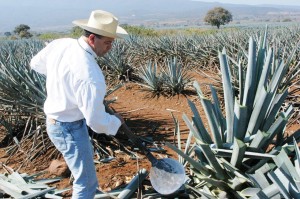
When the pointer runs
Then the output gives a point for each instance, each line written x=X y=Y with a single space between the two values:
x=218 y=16
x=25 y=34
x=22 y=31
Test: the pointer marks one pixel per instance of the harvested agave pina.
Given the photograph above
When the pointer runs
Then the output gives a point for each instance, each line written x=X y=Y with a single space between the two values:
x=167 y=182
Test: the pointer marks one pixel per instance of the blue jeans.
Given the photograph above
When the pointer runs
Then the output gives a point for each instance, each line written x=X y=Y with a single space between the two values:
x=72 y=140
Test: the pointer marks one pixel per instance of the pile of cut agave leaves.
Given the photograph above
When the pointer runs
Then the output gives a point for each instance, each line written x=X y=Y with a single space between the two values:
x=25 y=186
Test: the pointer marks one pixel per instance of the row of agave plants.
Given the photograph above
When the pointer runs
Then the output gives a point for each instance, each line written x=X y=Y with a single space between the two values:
x=254 y=90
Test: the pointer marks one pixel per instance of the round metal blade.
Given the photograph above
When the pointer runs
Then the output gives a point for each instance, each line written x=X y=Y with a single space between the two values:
x=166 y=180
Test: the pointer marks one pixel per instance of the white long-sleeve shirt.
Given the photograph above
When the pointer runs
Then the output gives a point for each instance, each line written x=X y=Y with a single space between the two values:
x=75 y=84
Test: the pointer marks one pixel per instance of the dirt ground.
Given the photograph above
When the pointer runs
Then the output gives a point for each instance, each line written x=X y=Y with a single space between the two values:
x=148 y=118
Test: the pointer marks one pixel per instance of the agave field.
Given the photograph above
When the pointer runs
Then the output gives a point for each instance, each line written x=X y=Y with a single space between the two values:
x=225 y=104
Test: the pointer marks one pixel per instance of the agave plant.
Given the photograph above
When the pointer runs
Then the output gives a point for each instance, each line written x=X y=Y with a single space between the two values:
x=175 y=77
x=248 y=153
x=151 y=79
x=116 y=63
x=171 y=79
x=287 y=49
x=20 y=87
x=22 y=91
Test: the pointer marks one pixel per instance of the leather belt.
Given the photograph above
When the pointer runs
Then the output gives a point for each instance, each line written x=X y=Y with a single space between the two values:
x=54 y=121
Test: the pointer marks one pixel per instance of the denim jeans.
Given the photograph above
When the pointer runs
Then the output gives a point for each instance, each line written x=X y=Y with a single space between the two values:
x=72 y=140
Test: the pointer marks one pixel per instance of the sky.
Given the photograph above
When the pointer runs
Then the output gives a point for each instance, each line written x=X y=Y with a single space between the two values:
x=258 y=2
x=57 y=13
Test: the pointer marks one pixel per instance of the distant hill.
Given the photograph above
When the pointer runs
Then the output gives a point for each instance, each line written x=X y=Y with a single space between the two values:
x=192 y=12
x=58 y=14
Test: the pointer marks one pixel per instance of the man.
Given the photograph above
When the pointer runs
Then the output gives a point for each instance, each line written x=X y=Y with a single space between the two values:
x=75 y=93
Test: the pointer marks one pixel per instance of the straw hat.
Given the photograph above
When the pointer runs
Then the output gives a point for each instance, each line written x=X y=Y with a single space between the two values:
x=102 y=23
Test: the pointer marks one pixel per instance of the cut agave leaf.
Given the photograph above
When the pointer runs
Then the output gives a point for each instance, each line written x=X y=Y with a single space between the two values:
x=281 y=184
x=240 y=120
x=228 y=95
x=297 y=160
x=247 y=153
x=272 y=191
x=212 y=159
x=259 y=179
x=239 y=149
x=248 y=192
x=283 y=162
x=37 y=193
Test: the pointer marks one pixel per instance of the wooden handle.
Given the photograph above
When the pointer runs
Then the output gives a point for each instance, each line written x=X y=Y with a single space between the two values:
x=136 y=140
